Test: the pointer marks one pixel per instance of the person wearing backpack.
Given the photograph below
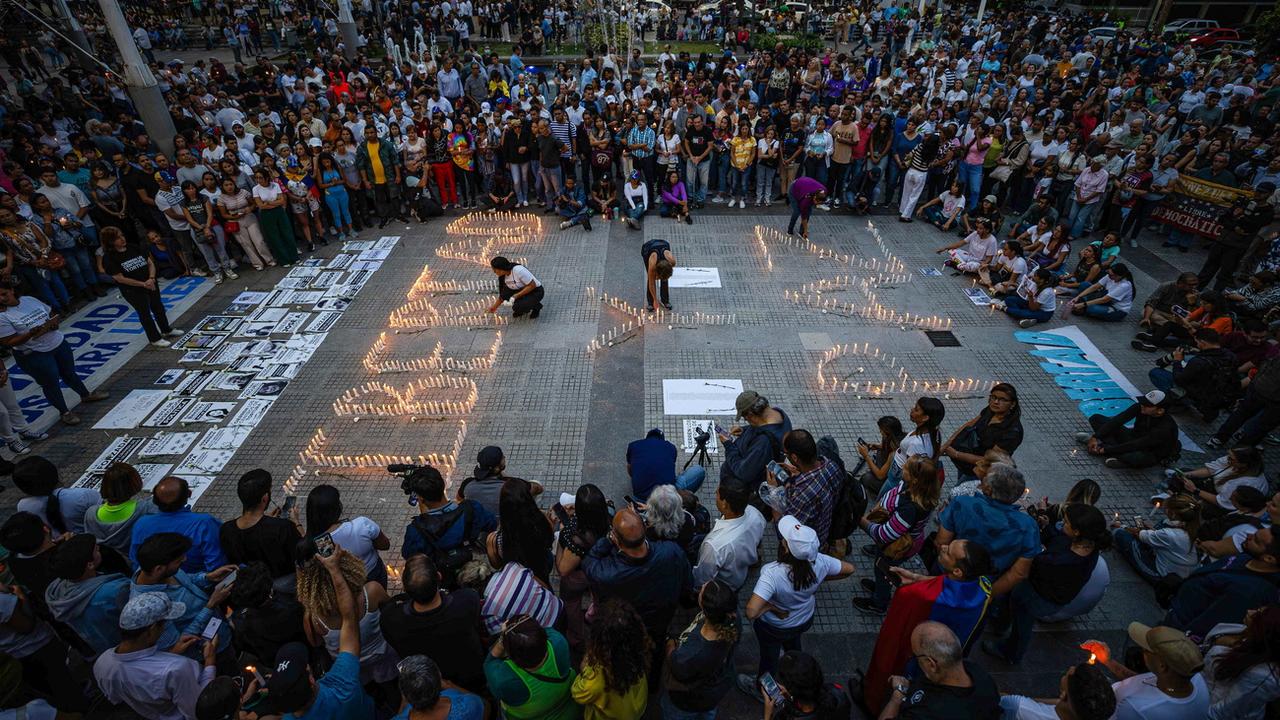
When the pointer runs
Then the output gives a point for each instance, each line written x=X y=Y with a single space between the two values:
x=451 y=533
x=1207 y=380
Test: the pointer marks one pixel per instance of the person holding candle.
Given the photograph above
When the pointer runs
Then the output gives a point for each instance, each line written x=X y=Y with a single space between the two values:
x=659 y=263
x=518 y=286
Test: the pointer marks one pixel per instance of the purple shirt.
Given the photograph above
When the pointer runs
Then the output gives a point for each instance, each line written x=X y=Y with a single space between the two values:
x=802 y=191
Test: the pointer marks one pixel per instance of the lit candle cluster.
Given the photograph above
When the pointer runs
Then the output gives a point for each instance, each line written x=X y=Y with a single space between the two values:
x=314 y=454
x=902 y=381
x=407 y=401
x=496 y=222
x=476 y=250
x=641 y=318
x=894 y=264
x=423 y=313
x=871 y=310
x=375 y=360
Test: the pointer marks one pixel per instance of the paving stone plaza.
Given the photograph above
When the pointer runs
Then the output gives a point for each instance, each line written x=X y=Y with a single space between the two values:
x=831 y=331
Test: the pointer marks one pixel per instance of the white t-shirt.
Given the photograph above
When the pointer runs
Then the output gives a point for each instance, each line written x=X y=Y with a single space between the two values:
x=1048 y=299
x=266 y=194
x=356 y=536
x=1219 y=468
x=1017 y=707
x=1120 y=292
x=1138 y=698
x=980 y=248
x=27 y=314
x=1014 y=265
x=519 y=277
x=774 y=585
x=1174 y=551
x=912 y=445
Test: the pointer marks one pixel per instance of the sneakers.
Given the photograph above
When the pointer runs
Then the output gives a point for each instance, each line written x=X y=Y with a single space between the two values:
x=162 y=343
x=174 y=332
x=1143 y=346
x=70 y=418
x=564 y=225
x=1026 y=322
x=33 y=436
x=719 y=200
x=217 y=279
x=586 y=224
x=998 y=304
x=1144 y=337
x=1114 y=464
x=1215 y=444
x=18 y=446
x=824 y=206
x=96 y=396
x=750 y=686
x=231 y=275
x=867 y=606
x=1083 y=437
x=199 y=273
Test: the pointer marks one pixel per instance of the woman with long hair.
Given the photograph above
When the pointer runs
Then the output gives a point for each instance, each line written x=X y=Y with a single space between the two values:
x=524 y=535
x=1059 y=574
x=926 y=439
x=322 y=620
x=1214 y=483
x=879 y=456
x=580 y=526
x=783 y=601
x=896 y=528
x=1108 y=299
x=270 y=199
x=1242 y=665
x=997 y=427
x=1168 y=548
x=698 y=672
x=235 y=207
x=613 y=684
x=807 y=693
x=329 y=179
x=360 y=535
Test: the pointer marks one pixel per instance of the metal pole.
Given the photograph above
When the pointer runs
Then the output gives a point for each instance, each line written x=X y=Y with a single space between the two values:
x=347 y=26
x=982 y=9
x=141 y=84
x=75 y=31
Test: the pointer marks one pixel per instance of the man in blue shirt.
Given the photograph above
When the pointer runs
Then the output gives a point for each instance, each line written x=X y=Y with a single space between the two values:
x=995 y=522
x=174 y=516
x=652 y=462
x=338 y=695
x=450 y=533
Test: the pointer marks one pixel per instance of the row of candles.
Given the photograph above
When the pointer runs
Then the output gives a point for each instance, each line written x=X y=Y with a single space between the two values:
x=423 y=313
x=894 y=264
x=314 y=454
x=869 y=311
x=375 y=360
x=902 y=382
x=408 y=401
x=671 y=320
x=496 y=222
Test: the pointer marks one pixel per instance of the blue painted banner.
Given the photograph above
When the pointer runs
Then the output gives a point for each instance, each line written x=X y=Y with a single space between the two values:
x=103 y=337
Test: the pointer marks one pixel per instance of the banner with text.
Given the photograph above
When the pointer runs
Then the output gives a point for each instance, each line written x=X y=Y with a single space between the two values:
x=1193 y=205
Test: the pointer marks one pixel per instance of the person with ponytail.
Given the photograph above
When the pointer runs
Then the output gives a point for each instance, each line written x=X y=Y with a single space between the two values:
x=62 y=509
x=926 y=439
x=517 y=285
x=1059 y=574
x=1168 y=548
x=698 y=672
x=1242 y=666
x=1034 y=301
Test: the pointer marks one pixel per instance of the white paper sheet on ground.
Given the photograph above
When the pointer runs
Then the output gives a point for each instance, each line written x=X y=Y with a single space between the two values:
x=197 y=483
x=169 y=412
x=208 y=412
x=693 y=427
x=204 y=462
x=151 y=474
x=366 y=265
x=357 y=246
x=977 y=296
x=256 y=329
x=386 y=242
x=228 y=352
x=325 y=280
x=272 y=314
x=252 y=412
x=303 y=272
x=118 y=450
x=167 y=443
x=280 y=371
x=700 y=396
x=194 y=356
x=305 y=297
x=232 y=381
x=323 y=322
x=375 y=254
x=313 y=262
x=696 y=277
x=131 y=410
x=227 y=438
x=218 y=324
x=236 y=308
x=340 y=261
x=170 y=376
x=264 y=389
x=251 y=297
x=195 y=382
x=291 y=323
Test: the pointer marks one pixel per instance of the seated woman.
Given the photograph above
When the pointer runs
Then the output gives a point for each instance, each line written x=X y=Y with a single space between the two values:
x=1035 y=300
x=997 y=427
x=944 y=211
x=1109 y=299
x=604 y=197
x=1214 y=483
x=986 y=210
x=1053 y=255
x=878 y=457
x=675 y=201
x=1241 y=668
x=636 y=194
x=666 y=519
x=1008 y=270
x=1086 y=272
x=1257 y=297
x=1177 y=330
x=1108 y=249
x=501 y=195
x=1168 y=548
x=1059 y=575
x=1085 y=492
x=897 y=528
x=1036 y=238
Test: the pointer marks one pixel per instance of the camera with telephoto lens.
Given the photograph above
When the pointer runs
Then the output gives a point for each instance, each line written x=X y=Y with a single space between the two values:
x=1166 y=360
x=405 y=473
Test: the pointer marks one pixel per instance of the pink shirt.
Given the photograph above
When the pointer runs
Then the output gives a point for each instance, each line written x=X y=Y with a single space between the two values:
x=977 y=153
x=1090 y=183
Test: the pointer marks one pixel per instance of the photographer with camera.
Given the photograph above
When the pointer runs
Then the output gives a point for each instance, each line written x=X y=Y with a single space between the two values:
x=652 y=462
x=747 y=450
x=451 y=533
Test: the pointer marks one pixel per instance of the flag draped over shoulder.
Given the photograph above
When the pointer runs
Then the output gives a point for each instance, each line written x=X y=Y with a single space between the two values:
x=961 y=606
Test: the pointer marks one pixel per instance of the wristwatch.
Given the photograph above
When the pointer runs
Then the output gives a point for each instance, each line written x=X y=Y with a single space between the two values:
x=901 y=690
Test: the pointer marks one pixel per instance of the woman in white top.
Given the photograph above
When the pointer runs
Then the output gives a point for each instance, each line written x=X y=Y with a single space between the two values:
x=1007 y=271
x=667 y=147
x=270 y=200
x=767 y=156
x=925 y=439
x=1108 y=299
x=517 y=285
x=636 y=192
x=1034 y=301
x=1215 y=482
x=1168 y=548
x=782 y=604
x=322 y=618
x=360 y=536
x=1242 y=668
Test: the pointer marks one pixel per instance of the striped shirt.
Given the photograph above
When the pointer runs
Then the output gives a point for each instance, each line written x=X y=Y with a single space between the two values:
x=564 y=133
x=513 y=591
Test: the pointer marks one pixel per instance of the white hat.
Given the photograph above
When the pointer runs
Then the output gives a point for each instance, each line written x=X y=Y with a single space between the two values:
x=801 y=539
x=1154 y=398
x=422 y=68
x=611 y=99
x=484 y=107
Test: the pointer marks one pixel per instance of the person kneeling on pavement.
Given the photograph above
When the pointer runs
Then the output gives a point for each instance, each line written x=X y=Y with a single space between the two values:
x=1152 y=439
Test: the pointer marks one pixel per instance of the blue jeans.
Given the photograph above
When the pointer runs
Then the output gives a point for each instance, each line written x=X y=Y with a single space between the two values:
x=764 y=182
x=691 y=479
x=772 y=639
x=720 y=170
x=46 y=368
x=1025 y=605
x=80 y=267
x=1161 y=378
x=698 y=175
x=47 y=285
x=636 y=213
x=550 y=183
x=970 y=178
x=1106 y=313
x=1179 y=238
x=671 y=712
x=339 y=206
x=1138 y=554
x=520 y=180
x=853 y=179
x=1078 y=217
x=1016 y=307
x=739 y=180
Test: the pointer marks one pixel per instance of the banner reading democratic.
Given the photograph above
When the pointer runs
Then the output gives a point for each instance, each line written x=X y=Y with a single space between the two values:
x=1193 y=205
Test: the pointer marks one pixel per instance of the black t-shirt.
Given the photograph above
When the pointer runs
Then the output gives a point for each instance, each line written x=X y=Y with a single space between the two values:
x=262 y=631
x=792 y=140
x=271 y=540
x=135 y=180
x=131 y=263
x=548 y=151
x=699 y=673
x=927 y=701
x=698 y=139
x=449 y=634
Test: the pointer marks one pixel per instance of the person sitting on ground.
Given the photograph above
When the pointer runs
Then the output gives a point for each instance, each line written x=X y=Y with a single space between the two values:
x=524 y=533
x=1007 y=272
x=427 y=620
x=111 y=521
x=1240 y=668
x=1168 y=548
x=1214 y=482
x=896 y=527
x=62 y=509
x=263 y=619
x=258 y=535
x=1224 y=535
x=203 y=595
x=485 y=483
x=1033 y=301
x=666 y=518
x=528 y=670
x=1049 y=252
x=1257 y=297
x=1152 y=439
x=360 y=535
x=428 y=695
x=1084 y=492
x=972 y=253
x=1206 y=379
x=571 y=204
x=1108 y=299
x=613 y=683
x=1173 y=686
x=82 y=598
x=30 y=544
x=730 y=549
x=1058 y=575
x=1042 y=208
x=878 y=457
x=1085 y=273
x=945 y=210
x=635 y=191
x=807 y=694
x=1160 y=305
x=1083 y=694
x=174 y=515
x=748 y=449
x=451 y=533
x=652 y=461
x=993 y=520
x=1207 y=312
x=946 y=680
x=997 y=427
x=675 y=201
x=1225 y=590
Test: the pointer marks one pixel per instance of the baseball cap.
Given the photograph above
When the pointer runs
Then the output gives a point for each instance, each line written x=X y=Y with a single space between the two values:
x=611 y=99
x=1155 y=398
x=314 y=142
x=489 y=456
x=166 y=176
x=746 y=399
x=422 y=68
x=71 y=556
x=1100 y=159
x=801 y=539
x=290 y=684
x=147 y=609
x=991 y=199
x=1171 y=646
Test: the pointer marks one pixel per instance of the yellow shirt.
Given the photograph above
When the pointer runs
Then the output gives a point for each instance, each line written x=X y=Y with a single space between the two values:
x=375 y=159
x=741 y=149
x=599 y=704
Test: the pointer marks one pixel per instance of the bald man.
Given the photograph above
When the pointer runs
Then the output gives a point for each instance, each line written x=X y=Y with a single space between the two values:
x=649 y=574
x=947 y=680
x=174 y=515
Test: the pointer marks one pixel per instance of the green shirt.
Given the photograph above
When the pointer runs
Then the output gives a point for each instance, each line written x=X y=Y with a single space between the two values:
x=543 y=692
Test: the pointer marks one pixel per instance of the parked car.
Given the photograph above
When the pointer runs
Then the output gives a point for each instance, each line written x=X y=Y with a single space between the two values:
x=1189 y=26
x=1105 y=34
x=1213 y=38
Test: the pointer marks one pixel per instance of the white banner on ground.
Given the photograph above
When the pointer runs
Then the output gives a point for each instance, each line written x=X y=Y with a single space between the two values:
x=700 y=397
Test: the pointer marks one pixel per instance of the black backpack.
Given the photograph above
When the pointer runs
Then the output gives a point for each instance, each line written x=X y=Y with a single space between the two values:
x=427 y=207
x=448 y=561
x=850 y=505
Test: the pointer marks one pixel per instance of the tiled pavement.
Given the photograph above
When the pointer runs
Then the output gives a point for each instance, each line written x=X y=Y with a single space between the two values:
x=558 y=412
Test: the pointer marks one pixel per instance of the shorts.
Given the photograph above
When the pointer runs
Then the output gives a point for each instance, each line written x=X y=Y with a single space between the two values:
x=303 y=206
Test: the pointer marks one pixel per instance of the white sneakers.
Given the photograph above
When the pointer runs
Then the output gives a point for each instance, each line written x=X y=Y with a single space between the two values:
x=162 y=343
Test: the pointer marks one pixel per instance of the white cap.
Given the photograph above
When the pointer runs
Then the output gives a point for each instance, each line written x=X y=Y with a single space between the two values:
x=801 y=539
x=568 y=499
x=1155 y=397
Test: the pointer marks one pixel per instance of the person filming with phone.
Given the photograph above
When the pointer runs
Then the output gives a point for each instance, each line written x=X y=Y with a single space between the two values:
x=748 y=449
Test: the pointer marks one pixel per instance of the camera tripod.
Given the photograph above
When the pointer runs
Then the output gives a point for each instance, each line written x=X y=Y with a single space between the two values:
x=700 y=451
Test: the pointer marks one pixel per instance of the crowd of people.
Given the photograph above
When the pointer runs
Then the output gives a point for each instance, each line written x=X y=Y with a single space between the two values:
x=1020 y=133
